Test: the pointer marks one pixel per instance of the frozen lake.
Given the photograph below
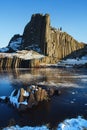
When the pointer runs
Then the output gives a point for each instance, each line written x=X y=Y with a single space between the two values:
x=72 y=101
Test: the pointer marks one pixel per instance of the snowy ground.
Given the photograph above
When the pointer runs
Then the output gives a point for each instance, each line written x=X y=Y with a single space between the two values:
x=72 y=62
x=69 y=124
x=24 y=54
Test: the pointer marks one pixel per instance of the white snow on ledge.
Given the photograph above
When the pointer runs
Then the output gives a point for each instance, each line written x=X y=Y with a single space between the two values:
x=69 y=124
x=24 y=54
x=71 y=62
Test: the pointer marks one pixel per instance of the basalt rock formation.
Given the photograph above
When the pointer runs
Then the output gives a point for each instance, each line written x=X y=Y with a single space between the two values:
x=39 y=36
x=52 y=42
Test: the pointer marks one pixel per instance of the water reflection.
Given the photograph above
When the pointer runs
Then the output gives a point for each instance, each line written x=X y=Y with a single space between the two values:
x=71 y=103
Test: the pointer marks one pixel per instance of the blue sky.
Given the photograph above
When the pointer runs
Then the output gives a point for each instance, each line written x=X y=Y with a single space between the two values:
x=71 y=15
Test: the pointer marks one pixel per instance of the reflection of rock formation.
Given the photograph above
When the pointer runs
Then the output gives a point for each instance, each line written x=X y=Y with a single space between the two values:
x=42 y=77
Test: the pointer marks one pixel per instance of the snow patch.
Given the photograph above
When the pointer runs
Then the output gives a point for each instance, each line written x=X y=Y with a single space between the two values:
x=71 y=62
x=26 y=94
x=73 y=124
x=24 y=54
x=3 y=97
x=14 y=99
x=16 y=44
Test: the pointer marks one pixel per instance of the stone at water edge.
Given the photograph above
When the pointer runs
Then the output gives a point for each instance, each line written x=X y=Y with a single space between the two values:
x=24 y=99
x=21 y=97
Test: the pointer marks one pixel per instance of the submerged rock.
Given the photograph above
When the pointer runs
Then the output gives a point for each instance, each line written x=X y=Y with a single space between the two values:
x=24 y=99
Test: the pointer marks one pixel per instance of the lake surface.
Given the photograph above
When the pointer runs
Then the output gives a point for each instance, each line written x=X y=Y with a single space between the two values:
x=72 y=101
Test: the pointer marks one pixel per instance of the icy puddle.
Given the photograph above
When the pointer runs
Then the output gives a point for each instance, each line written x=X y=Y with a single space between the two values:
x=71 y=102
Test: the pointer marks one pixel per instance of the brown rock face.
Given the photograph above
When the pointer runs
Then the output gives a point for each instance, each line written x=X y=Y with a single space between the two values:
x=21 y=97
x=41 y=95
x=52 y=42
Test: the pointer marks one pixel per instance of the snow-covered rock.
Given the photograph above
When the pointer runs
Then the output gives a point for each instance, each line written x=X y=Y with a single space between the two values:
x=73 y=124
x=23 y=99
x=15 y=45
x=24 y=54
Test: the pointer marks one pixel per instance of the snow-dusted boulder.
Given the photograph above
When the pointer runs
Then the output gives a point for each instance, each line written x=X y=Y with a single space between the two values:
x=23 y=99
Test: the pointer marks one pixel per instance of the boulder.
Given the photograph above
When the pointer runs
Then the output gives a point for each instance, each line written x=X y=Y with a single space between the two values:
x=21 y=96
x=38 y=94
x=24 y=99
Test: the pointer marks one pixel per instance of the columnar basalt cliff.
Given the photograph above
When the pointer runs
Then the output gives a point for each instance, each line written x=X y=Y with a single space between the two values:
x=52 y=42
x=39 y=36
